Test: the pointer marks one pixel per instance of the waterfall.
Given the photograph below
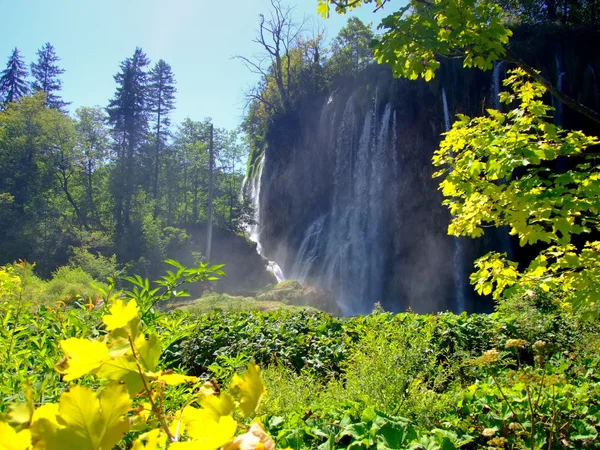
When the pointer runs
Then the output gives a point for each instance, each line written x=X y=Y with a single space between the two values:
x=308 y=253
x=253 y=230
x=558 y=105
x=347 y=242
x=498 y=65
x=595 y=93
x=458 y=257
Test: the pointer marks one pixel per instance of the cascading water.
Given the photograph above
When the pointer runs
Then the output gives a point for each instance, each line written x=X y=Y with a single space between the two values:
x=458 y=258
x=308 y=252
x=558 y=105
x=498 y=65
x=346 y=241
x=253 y=229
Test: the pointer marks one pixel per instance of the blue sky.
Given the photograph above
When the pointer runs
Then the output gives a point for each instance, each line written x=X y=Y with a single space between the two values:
x=196 y=37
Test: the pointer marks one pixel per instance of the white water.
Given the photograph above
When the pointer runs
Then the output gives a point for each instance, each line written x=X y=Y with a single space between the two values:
x=496 y=84
x=458 y=257
x=346 y=243
x=253 y=229
x=558 y=105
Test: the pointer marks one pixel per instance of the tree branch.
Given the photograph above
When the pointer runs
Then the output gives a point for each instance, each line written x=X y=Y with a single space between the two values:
x=565 y=99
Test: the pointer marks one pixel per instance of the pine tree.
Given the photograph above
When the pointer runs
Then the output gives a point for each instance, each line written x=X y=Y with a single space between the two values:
x=46 y=75
x=128 y=115
x=162 y=102
x=13 y=84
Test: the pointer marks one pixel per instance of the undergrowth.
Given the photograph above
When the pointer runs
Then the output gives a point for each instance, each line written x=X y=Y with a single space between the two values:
x=522 y=377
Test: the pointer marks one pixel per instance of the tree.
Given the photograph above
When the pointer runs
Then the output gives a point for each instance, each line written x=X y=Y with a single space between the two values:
x=37 y=174
x=60 y=152
x=351 y=50
x=496 y=168
x=161 y=101
x=277 y=35
x=93 y=146
x=128 y=114
x=13 y=83
x=46 y=74
x=423 y=31
x=496 y=173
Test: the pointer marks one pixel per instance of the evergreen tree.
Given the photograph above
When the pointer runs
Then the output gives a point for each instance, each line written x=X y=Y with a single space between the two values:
x=13 y=84
x=351 y=50
x=46 y=75
x=162 y=102
x=128 y=115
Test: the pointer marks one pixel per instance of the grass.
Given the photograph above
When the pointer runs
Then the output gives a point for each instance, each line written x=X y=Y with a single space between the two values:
x=230 y=303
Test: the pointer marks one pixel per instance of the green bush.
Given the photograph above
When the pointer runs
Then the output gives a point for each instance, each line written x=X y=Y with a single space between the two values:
x=100 y=267
x=69 y=285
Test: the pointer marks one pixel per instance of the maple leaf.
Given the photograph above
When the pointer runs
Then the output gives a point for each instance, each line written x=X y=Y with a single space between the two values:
x=82 y=357
x=248 y=389
x=11 y=440
x=120 y=314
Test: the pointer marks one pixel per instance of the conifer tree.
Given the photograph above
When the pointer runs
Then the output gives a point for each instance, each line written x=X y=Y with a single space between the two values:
x=13 y=83
x=46 y=73
x=128 y=115
x=162 y=102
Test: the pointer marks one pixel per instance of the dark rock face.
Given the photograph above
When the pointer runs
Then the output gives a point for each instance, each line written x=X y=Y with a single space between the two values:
x=348 y=202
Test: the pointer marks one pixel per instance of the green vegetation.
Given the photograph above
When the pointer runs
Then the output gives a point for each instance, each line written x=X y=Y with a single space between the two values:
x=497 y=169
x=120 y=181
x=522 y=377
x=538 y=205
x=230 y=303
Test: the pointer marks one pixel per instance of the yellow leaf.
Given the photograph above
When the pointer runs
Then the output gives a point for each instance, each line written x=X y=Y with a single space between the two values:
x=149 y=352
x=48 y=411
x=174 y=379
x=125 y=369
x=223 y=405
x=11 y=440
x=248 y=389
x=120 y=314
x=155 y=439
x=323 y=9
x=20 y=413
x=82 y=356
x=206 y=432
x=90 y=421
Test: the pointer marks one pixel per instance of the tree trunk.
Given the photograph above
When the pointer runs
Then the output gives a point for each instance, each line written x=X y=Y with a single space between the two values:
x=210 y=194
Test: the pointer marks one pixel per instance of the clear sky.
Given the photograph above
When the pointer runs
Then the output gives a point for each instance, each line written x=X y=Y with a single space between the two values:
x=196 y=37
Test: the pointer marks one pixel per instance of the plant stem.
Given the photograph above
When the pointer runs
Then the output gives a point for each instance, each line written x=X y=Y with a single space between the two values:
x=504 y=396
x=156 y=410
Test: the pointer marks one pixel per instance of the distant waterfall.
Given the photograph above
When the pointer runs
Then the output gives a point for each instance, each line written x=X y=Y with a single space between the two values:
x=496 y=74
x=346 y=242
x=558 y=105
x=253 y=229
x=458 y=257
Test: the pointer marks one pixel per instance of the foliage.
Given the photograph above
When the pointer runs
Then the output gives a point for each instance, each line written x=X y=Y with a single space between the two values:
x=419 y=33
x=99 y=267
x=297 y=340
x=13 y=85
x=350 y=50
x=496 y=173
x=46 y=74
x=117 y=172
x=127 y=392
x=128 y=359
x=385 y=381
x=211 y=301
